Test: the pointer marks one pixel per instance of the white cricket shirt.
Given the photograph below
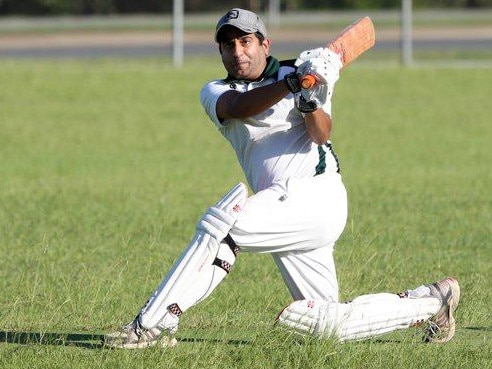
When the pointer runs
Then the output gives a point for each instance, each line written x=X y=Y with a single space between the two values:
x=270 y=146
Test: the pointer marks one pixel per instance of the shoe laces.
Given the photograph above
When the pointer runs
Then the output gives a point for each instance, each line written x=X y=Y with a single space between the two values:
x=432 y=331
x=134 y=327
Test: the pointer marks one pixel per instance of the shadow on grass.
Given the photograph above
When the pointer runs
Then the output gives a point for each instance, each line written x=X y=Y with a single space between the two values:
x=485 y=329
x=96 y=341
x=215 y=340
x=87 y=340
x=91 y=341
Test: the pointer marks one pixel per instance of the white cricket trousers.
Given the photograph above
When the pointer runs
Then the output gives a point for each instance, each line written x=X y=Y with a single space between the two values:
x=298 y=221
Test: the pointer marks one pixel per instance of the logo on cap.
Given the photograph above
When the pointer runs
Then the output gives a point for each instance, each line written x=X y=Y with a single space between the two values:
x=233 y=14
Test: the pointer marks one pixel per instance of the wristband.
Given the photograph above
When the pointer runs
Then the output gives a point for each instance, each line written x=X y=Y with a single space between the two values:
x=305 y=106
x=292 y=82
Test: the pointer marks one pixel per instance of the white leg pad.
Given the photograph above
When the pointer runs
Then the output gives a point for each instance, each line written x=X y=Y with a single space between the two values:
x=364 y=317
x=201 y=267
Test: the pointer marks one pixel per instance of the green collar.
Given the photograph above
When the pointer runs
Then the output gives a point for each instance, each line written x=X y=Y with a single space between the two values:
x=271 y=70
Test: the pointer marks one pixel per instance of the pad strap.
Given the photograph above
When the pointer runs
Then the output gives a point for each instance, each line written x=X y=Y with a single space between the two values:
x=232 y=244
x=222 y=264
x=175 y=309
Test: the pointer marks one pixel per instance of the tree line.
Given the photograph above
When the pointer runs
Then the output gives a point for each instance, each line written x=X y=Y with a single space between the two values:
x=88 y=7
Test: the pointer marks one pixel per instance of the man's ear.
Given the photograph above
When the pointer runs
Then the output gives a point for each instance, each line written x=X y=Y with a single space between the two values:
x=266 y=46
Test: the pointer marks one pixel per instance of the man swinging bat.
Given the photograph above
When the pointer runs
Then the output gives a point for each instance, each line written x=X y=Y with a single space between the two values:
x=280 y=132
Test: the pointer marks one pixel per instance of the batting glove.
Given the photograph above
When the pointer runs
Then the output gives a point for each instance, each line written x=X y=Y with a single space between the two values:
x=323 y=70
x=308 y=100
x=321 y=52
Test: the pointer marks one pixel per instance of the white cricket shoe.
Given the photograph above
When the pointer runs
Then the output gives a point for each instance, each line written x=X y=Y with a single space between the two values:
x=442 y=325
x=133 y=336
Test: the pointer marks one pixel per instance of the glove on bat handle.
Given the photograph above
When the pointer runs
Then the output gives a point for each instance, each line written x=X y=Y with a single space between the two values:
x=308 y=81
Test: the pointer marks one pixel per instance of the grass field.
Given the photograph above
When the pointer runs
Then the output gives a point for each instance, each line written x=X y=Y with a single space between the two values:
x=106 y=166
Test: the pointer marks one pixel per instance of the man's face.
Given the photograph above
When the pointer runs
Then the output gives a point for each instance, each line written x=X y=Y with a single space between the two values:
x=243 y=56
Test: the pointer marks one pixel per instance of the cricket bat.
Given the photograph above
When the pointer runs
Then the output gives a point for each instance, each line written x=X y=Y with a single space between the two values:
x=349 y=44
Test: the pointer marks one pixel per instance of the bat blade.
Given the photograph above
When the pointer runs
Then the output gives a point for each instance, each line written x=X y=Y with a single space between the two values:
x=354 y=40
x=349 y=44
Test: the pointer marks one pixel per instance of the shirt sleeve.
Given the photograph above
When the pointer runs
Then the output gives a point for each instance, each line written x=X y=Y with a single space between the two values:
x=209 y=95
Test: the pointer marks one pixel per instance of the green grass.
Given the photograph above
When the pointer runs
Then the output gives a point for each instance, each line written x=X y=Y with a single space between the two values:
x=106 y=165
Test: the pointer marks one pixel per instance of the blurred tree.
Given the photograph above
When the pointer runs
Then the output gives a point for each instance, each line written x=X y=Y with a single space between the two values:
x=144 y=6
x=46 y=7
x=80 y=6
x=22 y=7
x=453 y=3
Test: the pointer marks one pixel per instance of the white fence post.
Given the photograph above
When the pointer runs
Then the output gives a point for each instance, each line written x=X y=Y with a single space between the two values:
x=274 y=13
x=178 y=31
x=406 y=32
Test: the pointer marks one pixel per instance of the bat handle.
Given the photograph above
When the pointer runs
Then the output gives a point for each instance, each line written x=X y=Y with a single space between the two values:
x=308 y=81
